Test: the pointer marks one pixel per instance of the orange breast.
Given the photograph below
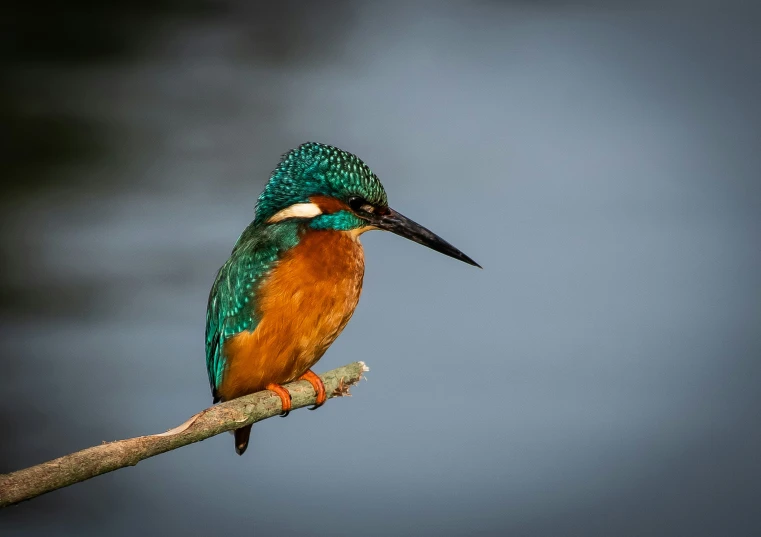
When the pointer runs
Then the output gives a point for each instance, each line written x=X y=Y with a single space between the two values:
x=303 y=306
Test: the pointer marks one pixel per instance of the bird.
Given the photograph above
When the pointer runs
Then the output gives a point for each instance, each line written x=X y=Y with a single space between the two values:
x=295 y=274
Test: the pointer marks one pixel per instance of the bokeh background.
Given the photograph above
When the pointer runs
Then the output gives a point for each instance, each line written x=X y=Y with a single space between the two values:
x=601 y=160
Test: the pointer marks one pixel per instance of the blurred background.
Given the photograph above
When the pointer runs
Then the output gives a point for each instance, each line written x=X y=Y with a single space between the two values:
x=601 y=160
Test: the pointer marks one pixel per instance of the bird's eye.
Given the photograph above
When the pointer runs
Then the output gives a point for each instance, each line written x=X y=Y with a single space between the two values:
x=358 y=204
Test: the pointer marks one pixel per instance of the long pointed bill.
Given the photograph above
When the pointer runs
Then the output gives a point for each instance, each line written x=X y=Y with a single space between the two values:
x=404 y=227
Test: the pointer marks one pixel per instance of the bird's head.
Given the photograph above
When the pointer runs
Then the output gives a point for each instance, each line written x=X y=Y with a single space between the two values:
x=333 y=189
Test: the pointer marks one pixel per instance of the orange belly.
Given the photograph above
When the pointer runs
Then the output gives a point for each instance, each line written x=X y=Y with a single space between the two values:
x=303 y=306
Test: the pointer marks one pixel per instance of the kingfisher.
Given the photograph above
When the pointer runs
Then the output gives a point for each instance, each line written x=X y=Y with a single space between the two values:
x=295 y=274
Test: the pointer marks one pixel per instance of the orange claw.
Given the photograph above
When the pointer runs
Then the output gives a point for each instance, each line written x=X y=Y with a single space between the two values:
x=285 y=397
x=318 y=386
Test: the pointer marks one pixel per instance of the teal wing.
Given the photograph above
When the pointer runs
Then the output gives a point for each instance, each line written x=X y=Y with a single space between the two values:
x=231 y=308
x=232 y=301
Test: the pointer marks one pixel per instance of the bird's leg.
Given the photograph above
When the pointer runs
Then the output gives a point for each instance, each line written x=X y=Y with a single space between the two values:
x=285 y=397
x=316 y=382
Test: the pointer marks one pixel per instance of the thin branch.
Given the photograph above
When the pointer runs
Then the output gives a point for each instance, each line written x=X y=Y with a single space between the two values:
x=31 y=482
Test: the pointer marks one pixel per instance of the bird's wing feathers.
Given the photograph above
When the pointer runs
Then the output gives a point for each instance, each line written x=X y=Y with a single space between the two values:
x=231 y=308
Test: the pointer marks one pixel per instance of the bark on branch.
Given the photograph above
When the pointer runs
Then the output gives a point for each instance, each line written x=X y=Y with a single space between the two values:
x=31 y=482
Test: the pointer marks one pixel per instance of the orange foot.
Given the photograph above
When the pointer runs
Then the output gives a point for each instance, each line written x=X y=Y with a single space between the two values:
x=318 y=386
x=285 y=397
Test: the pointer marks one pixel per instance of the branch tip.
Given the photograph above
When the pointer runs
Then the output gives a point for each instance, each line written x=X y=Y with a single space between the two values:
x=342 y=390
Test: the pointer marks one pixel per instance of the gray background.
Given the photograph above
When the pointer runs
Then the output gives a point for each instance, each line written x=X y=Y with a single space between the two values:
x=600 y=376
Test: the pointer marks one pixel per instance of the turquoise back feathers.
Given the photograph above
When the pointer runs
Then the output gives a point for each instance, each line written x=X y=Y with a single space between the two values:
x=231 y=308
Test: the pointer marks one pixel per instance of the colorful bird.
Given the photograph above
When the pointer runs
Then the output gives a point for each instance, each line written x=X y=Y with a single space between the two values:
x=295 y=274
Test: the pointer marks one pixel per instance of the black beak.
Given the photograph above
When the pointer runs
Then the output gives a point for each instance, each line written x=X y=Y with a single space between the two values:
x=404 y=227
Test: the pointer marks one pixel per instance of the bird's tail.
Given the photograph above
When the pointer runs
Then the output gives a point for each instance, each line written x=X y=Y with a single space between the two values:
x=241 y=439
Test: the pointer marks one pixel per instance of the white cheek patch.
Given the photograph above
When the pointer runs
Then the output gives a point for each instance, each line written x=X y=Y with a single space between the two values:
x=297 y=210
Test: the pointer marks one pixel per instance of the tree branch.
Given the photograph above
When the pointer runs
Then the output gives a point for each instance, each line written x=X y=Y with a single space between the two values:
x=31 y=482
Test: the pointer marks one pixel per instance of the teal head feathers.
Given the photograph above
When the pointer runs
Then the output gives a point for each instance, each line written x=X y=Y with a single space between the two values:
x=314 y=169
